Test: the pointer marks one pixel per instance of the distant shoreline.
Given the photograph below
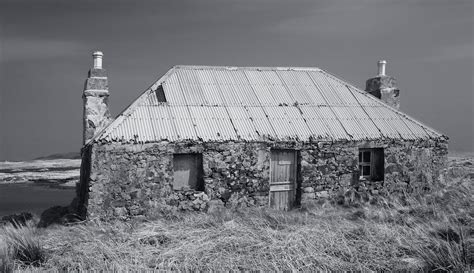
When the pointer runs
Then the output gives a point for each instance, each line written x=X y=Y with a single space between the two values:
x=58 y=172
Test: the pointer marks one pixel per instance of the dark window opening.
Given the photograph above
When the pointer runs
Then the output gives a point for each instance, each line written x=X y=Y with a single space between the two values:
x=187 y=172
x=371 y=164
x=160 y=94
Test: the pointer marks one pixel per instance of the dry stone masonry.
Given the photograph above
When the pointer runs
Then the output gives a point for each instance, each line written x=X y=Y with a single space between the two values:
x=384 y=87
x=128 y=180
x=95 y=96
x=131 y=166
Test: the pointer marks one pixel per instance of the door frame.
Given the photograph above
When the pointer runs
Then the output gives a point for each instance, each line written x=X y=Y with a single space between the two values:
x=297 y=174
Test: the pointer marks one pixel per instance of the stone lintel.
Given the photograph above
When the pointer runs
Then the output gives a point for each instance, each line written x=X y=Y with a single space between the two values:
x=96 y=93
x=372 y=144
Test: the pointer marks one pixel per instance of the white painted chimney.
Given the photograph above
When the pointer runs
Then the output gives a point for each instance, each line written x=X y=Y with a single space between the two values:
x=381 y=67
x=97 y=55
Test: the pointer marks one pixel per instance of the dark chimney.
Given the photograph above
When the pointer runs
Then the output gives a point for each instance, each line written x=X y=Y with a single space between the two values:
x=384 y=87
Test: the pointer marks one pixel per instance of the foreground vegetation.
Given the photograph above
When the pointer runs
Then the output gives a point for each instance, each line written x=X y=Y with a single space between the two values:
x=430 y=232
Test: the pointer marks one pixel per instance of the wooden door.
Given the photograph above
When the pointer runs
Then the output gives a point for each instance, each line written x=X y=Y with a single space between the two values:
x=283 y=179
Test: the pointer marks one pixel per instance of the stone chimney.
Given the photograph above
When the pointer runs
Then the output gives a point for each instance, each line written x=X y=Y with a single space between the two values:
x=384 y=87
x=95 y=96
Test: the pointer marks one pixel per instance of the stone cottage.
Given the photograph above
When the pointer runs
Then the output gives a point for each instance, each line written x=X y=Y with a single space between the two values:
x=249 y=136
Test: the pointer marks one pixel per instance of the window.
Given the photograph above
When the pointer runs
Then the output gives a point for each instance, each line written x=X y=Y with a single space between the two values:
x=371 y=164
x=187 y=172
x=160 y=94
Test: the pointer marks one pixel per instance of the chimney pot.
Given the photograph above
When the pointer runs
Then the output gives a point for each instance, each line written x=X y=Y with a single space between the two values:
x=97 y=56
x=381 y=67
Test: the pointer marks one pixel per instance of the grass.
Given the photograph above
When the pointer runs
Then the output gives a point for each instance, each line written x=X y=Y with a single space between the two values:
x=20 y=244
x=6 y=260
x=433 y=232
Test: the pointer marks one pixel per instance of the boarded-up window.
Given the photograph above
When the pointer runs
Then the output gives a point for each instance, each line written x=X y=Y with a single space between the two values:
x=371 y=164
x=187 y=170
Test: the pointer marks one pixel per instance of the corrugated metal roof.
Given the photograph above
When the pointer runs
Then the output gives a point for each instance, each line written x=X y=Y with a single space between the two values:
x=250 y=103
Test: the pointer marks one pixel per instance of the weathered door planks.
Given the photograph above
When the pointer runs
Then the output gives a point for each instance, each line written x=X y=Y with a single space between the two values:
x=283 y=173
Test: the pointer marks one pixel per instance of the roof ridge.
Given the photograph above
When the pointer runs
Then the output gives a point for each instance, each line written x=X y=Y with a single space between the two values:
x=231 y=68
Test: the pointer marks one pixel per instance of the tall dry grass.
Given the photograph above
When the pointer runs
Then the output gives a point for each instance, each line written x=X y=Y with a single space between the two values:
x=20 y=245
x=419 y=233
x=429 y=232
x=6 y=260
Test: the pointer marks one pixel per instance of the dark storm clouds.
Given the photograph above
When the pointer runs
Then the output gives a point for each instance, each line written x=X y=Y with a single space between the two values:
x=46 y=51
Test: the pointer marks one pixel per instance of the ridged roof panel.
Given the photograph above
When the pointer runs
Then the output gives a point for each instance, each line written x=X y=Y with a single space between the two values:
x=255 y=104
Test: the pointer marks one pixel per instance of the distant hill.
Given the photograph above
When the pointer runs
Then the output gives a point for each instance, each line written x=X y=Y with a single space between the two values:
x=70 y=155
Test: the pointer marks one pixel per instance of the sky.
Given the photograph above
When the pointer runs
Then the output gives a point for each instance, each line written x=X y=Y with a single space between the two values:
x=46 y=47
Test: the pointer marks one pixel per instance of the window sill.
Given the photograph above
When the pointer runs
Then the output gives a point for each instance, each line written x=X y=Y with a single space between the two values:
x=187 y=190
x=368 y=179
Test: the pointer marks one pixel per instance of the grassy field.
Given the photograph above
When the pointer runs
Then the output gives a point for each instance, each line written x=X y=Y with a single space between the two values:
x=430 y=232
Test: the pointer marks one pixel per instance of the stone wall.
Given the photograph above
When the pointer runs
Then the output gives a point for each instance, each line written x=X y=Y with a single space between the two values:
x=96 y=115
x=414 y=166
x=384 y=88
x=136 y=179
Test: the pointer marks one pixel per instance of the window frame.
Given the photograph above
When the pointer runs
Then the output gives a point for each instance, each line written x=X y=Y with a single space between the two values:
x=371 y=163
x=199 y=185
